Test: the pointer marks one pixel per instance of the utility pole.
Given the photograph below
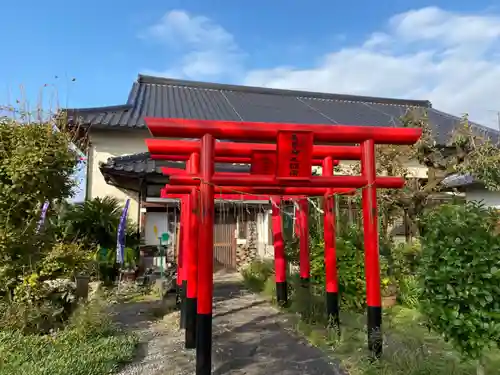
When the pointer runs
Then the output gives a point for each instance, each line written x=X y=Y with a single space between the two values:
x=498 y=120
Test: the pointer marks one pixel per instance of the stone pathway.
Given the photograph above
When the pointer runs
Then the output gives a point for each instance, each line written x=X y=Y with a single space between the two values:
x=250 y=337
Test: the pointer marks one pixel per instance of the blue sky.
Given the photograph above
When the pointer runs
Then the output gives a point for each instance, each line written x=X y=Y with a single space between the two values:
x=444 y=51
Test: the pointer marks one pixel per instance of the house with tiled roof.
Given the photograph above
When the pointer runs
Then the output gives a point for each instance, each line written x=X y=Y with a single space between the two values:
x=119 y=165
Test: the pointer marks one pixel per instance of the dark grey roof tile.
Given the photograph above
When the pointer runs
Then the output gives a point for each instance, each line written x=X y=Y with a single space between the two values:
x=358 y=113
x=162 y=97
x=447 y=123
x=142 y=164
x=265 y=107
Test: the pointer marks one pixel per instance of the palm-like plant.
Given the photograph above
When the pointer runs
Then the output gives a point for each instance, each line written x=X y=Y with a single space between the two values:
x=95 y=222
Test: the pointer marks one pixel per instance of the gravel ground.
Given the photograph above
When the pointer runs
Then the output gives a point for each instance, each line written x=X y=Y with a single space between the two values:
x=250 y=337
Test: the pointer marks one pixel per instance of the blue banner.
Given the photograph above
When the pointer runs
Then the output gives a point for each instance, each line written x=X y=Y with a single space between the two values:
x=120 y=240
x=42 y=216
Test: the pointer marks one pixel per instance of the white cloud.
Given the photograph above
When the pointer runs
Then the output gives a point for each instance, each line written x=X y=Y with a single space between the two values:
x=451 y=59
x=207 y=50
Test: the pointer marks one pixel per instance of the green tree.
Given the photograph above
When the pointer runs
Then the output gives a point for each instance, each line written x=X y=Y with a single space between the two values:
x=466 y=151
x=36 y=165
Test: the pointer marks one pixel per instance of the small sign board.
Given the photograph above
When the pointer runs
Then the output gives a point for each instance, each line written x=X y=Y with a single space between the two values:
x=294 y=154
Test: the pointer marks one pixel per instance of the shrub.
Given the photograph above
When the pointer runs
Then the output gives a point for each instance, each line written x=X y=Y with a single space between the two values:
x=95 y=222
x=91 y=319
x=351 y=271
x=350 y=265
x=130 y=257
x=409 y=291
x=38 y=306
x=460 y=275
x=37 y=165
x=65 y=260
x=257 y=273
x=405 y=258
x=317 y=262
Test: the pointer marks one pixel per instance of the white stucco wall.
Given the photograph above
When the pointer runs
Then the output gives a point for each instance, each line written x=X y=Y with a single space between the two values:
x=105 y=145
x=488 y=198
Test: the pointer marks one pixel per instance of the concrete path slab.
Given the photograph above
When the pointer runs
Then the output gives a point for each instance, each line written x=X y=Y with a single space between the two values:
x=250 y=337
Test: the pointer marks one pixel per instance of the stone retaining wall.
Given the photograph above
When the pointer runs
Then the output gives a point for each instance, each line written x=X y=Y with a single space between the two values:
x=246 y=253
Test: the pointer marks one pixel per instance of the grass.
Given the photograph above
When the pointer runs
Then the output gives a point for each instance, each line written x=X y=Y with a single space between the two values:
x=409 y=347
x=90 y=345
x=131 y=294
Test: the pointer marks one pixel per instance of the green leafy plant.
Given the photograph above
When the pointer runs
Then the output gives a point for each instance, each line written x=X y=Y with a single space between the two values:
x=257 y=273
x=409 y=291
x=129 y=257
x=66 y=260
x=36 y=165
x=351 y=269
x=108 y=269
x=95 y=222
x=404 y=259
x=460 y=276
x=350 y=266
x=38 y=306
x=317 y=262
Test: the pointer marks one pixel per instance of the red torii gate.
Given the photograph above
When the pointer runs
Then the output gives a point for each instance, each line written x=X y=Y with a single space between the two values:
x=280 y=264
x=258 y=153
x=295 y=147
x=163 y=150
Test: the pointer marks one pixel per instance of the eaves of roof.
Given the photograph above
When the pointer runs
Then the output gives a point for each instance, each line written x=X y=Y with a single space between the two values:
x=142 y=164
